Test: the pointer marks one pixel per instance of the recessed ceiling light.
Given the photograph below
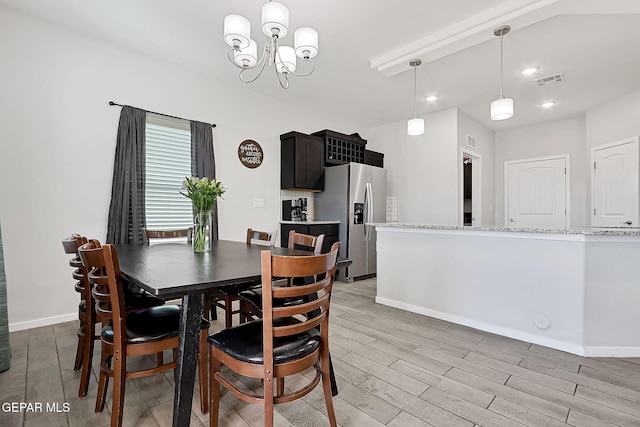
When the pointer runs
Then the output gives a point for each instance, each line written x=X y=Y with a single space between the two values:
x=548 y=104
x=529 y=71
x=431 y=98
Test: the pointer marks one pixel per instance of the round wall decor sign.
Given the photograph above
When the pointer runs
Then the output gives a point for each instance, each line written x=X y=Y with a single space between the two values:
x=250 y=153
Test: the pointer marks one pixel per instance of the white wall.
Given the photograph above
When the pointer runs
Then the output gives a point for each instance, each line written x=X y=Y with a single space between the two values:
x=485 y=147
x=615 y=120
x=421 y=169
x=549 y=139
x=58 y=142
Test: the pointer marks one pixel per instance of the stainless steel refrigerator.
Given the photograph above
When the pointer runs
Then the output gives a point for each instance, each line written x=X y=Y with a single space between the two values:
x=355 y=194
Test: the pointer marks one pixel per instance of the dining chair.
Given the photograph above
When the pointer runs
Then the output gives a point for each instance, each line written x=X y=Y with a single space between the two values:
x=251 y=299
x=86 y=330
x=288 y=339
x=87 y=314
x=142 y=332
x=225 y=297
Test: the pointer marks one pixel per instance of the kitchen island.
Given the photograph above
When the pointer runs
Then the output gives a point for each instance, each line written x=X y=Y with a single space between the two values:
x=572 y=290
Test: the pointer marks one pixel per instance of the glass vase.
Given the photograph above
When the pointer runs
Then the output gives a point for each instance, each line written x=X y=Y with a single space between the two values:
x=202 y=230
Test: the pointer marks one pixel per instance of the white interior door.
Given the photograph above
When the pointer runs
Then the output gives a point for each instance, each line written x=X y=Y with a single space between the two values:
x=537 y=193
x=615 y=184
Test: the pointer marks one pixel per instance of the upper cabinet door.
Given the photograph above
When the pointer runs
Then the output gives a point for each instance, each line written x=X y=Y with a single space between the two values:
x=302 y=162
x=614 y=183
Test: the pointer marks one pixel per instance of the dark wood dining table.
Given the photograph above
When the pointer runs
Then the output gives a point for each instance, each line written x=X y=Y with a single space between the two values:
x=174 y=270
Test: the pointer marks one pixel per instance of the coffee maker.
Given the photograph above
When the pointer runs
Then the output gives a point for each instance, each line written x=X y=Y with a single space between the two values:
x=294 y=210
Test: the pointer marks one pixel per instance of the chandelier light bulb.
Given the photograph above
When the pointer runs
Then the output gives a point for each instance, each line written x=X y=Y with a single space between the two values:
x=237 y=31
x=286 y=60
x=247 y=57
x=275 y=19
x=306 y=42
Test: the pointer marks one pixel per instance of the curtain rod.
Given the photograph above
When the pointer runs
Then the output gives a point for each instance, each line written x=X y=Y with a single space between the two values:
x=160 y=114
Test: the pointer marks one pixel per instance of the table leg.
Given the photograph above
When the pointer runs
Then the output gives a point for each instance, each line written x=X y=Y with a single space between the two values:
x=191 y=312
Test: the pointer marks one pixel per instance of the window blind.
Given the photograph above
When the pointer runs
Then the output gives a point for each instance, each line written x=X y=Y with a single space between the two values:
x=168 y=162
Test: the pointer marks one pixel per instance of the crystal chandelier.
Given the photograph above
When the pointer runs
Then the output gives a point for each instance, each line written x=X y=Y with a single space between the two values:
x=275 y=25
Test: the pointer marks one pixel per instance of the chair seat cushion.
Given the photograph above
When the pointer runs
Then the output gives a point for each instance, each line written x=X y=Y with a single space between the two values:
x=244 y=342
x=151 y=324
x=148 y=325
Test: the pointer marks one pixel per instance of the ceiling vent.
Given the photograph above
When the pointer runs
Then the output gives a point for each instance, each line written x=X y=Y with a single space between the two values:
x=471 y=141
x=550 y=79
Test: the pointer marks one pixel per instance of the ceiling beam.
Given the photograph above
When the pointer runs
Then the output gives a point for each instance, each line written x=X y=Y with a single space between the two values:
x=468 y=32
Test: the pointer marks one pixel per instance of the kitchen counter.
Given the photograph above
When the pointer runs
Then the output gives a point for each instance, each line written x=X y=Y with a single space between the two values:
x=309 y=222
x=572 y=290
x=587 y=231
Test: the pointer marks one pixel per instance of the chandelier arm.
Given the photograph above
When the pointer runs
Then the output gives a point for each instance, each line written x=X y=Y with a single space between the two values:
x=313 y=67
x=284 y=85
x=264 y=63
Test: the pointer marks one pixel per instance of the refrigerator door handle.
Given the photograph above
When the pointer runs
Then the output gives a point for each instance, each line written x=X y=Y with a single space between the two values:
x=368 y=209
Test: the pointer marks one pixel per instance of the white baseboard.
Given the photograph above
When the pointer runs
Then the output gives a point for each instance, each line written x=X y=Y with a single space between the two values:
x=590 y=351
x=487 y=327
x=45 y=321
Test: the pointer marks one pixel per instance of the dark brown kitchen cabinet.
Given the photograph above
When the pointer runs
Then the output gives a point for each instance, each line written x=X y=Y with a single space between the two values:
x=302 y=162
x=330 y=232
x=340 y=148
x=373 y=158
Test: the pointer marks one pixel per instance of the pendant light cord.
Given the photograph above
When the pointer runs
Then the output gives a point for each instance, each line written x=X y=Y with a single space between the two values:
x=415 y=88
x=501 y=64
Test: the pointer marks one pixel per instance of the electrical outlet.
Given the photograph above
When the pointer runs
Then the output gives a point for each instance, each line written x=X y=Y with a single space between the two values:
x=258 y=203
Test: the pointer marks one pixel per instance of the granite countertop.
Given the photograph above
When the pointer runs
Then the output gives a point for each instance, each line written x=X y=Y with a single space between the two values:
x=309 y=222
x=592 y=231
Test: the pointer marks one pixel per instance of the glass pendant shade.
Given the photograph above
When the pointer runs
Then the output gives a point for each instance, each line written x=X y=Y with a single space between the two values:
x=415 y=126
x=275 y=16
x=237 y=28
x=286 y=59
x=247 y=57
x=502 y=109
x=306 y=42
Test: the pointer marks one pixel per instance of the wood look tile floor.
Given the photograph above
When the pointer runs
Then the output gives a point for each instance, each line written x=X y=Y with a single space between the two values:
x=393 y=369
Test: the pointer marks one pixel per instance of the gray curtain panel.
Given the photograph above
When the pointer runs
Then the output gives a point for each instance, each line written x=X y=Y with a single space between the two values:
x=203 y=161
x=5 y=349
x=127 y=211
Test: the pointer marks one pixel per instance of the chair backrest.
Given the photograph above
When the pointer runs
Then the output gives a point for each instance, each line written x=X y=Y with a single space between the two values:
x=305 y=242
x=321 y=269
x=71 y=245
x=104 y=278
x=168 y=234
x=265 y=238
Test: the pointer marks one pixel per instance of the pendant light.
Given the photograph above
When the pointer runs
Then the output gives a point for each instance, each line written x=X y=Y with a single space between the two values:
x=502 y=108
x=415 y=126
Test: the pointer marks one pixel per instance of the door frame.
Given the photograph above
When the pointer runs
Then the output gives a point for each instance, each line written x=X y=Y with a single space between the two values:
x=633 y=140
x=567 y=184
x=476 y=187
